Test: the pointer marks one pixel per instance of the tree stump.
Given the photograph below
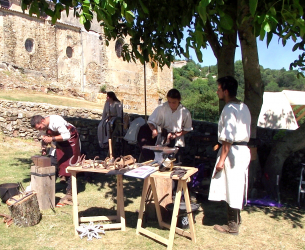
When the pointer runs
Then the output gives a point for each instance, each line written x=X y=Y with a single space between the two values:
x=43 y=183
x=24 y=209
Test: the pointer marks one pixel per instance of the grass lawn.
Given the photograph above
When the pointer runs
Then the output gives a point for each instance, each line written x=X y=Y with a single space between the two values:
x=262 y=228
x=39 y=97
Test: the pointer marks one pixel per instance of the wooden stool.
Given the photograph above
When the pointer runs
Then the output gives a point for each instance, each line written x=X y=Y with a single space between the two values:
x=182 y=186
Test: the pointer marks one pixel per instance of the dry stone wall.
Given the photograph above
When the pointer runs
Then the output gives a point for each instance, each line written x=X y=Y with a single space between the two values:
x=15 y=122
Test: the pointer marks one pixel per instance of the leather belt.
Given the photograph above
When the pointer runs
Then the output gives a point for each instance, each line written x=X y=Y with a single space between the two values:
x=241 y=143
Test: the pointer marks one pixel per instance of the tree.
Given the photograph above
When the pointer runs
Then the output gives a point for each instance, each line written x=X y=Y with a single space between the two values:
x=156 y=30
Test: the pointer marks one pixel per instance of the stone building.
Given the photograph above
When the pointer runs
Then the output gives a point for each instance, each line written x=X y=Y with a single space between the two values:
x=76 y=59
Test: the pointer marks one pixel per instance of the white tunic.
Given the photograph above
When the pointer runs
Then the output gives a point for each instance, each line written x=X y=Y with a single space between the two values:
x=230 y=184
x=59 y=124
x=177 y=121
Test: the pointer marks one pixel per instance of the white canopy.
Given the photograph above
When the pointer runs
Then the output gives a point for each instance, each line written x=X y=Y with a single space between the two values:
x=277 y=113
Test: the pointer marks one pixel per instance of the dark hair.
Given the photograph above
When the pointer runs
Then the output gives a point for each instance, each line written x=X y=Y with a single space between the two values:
x=112 y=95
x=174 y=93
x=228 y=83
x=36 y=119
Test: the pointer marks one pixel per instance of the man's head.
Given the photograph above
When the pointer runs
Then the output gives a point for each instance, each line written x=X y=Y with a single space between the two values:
x=38 y=122
x=227 y=87
x=173 y=98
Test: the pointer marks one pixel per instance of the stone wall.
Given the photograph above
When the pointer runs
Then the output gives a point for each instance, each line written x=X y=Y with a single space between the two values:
x=76 y=60
x=15 y=122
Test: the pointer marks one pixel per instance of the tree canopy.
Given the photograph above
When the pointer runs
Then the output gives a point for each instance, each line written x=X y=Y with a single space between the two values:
x=156 y=27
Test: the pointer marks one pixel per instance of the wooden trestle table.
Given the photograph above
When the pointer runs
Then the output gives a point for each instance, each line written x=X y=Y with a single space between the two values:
x=120 y=217
x=182 y=186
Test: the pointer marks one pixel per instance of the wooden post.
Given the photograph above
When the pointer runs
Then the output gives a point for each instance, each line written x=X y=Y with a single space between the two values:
x=24 y=209
x=43 y=182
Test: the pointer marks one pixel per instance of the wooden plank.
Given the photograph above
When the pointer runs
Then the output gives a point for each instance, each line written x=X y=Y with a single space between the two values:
x=190 y=172
x=142 y=204
x=74 y=198
x=189 y=211
x=153 y=236
x=164 y=190
x=178 y=230
x=98 y=218
x=156 y=200
x=112 y=226
x=175 y=216
x=120 y=201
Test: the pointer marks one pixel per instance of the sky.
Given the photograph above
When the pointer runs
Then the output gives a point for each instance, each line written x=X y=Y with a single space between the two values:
x=274 y=57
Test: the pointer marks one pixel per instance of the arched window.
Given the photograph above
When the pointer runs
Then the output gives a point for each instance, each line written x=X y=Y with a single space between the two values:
x=119 y=47
x=69 y=52
x=29 y=45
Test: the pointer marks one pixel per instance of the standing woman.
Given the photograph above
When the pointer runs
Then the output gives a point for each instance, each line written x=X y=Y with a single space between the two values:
x=107 y=127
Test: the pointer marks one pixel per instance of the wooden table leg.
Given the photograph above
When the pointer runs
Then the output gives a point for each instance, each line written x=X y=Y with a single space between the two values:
x=120 y=201
x=142 y=204
x=175 y=216
x=156 y=200
x=189 y=211
x=74 y=198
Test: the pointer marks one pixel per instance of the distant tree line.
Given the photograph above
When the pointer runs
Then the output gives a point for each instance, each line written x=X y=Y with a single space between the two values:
x=198 y=86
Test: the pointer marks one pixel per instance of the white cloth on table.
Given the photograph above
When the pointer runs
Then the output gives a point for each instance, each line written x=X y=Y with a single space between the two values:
x=231 y=183
x=177 y=121
x=134 y=127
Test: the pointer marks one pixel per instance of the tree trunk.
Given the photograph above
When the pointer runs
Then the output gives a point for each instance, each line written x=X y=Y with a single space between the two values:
x=224 y=53
x=289 y=144
x=254 y=88
x=24 y=209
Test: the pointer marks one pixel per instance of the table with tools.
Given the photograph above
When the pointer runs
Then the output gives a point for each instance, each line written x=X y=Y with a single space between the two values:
x=182 y=187
x=119 y=217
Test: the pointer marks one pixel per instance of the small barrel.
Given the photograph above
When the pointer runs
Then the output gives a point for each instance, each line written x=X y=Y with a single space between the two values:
x=43 y=182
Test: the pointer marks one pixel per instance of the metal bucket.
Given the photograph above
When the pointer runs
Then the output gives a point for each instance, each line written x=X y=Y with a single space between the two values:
x=8 y=190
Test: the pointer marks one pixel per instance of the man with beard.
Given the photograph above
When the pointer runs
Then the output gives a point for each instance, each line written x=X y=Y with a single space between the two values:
x=229 y=181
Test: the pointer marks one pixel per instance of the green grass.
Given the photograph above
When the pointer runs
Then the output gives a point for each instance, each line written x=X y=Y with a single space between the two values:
x=39 y=97
x=262 y=228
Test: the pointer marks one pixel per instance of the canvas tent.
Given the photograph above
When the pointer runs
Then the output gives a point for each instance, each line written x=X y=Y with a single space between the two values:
x=277 y=109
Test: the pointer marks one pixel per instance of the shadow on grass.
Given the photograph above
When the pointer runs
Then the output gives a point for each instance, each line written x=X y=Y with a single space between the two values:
x=24 y=161
x=292 y=214
x=131 y=217
x=216 y=213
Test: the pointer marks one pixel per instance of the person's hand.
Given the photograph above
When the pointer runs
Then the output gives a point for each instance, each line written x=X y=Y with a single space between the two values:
x=177 y=134
x=47 y=139
x=43 y=151
x=154 y=133
x=218 y=168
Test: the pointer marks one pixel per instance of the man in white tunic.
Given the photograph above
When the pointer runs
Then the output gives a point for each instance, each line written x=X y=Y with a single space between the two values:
x=173 y=118
x=229 y=181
